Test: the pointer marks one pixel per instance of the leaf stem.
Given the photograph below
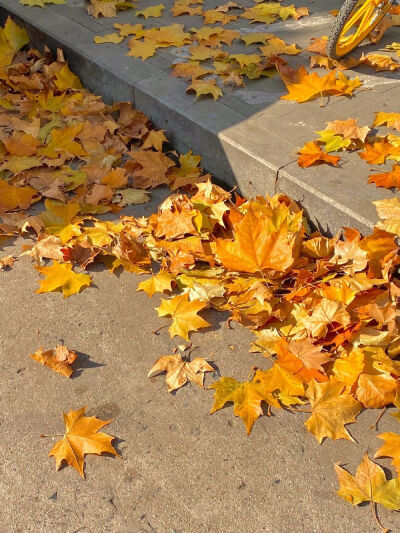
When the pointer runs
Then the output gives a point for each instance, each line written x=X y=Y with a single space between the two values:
x=374 y=514
x=159 y=329
x=383 y=411
x=252 y=370
x=42 y=436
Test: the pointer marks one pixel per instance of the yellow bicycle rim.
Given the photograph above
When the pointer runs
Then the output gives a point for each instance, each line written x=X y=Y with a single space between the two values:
x=361 y=22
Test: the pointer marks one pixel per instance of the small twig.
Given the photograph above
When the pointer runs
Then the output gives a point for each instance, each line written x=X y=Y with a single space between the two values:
x=158 y=329
x=252 y=369
x=383 y=411
x=374 y=514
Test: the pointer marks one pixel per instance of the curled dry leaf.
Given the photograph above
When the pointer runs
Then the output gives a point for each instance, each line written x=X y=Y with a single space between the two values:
x=6 y=262
x=60 y=359
x=180 y=371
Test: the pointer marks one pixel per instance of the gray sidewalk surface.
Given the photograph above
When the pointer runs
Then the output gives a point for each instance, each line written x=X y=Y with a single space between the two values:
x=249 y=133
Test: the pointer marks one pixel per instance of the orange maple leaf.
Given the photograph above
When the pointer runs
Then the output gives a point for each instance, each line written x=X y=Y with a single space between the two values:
x=312 y=154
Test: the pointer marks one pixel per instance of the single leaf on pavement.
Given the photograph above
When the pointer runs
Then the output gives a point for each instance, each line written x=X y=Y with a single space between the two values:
x=203 y=87
x=81 y=438
x=331 y=411
x=60 y=276
x=109 y=38
x=151 y=11
x=368 y=485
x=184 y=315
x=387 y=179
x=303 y=86
x=389 y=213
x=60 y=359
x=180 y=371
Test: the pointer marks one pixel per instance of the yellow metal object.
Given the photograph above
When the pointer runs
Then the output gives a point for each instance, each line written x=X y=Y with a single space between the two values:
x=365 y=16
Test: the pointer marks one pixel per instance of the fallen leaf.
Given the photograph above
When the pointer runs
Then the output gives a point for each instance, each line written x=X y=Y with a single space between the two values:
x=60 y=359
x=81 y=438
x=332 y=409
x=368 y=485
x=151 y=11
x=180 y=371
x=312 y=154
x=203 y=87
x=60 y=276
x=184 y=315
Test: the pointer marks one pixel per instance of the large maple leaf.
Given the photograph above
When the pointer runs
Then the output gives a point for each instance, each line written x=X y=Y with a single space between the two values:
x=60 y=276
x=303 y=86
x=255 y=248
x=368 y=485
x=184 y=315
x=331 y=410
x=245 y=396
x=81 y=437
x=12 y=197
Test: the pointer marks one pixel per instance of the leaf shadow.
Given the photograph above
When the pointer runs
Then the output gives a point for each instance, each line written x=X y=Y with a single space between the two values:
x=82 y=362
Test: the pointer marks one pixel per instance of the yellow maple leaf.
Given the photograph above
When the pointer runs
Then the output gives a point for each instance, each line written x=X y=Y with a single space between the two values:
x=389 y=213
x=12 y=197
x=184 y=315
x=180 y=371
x=256 y=248
x=331 y=411
x=304 y=86
x=160 y=282
x=141 y=49
x=151 y=11
x=65 y=79
x=392 y=120
x=368 y=485
x=245 y=396
x=62 y=142
x=203 y=87
x=109 y=38
x=60 y=276
x=81 y=437
x=275 y=46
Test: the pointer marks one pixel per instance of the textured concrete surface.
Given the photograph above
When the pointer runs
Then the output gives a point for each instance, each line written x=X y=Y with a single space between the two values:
x=249 y=134
x=182 y=470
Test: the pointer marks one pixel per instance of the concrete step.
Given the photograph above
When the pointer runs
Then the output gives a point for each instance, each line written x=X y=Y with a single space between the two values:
x=249 y=137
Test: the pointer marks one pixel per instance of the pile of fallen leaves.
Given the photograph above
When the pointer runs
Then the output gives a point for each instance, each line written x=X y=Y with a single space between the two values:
x=209 y=66
x=324 y=311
